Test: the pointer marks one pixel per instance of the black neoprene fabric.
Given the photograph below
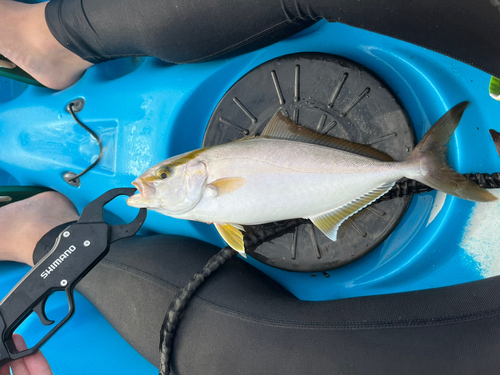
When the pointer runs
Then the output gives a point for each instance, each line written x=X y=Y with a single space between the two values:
x=242 y=322
x=183 y=31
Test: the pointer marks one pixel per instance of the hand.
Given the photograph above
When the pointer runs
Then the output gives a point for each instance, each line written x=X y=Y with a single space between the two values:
x=35 y=364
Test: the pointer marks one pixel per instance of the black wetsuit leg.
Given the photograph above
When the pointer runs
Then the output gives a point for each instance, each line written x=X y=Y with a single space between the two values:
x=183 y=31
x=242 y=322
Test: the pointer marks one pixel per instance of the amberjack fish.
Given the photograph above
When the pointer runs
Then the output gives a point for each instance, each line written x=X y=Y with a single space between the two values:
x=290 y=171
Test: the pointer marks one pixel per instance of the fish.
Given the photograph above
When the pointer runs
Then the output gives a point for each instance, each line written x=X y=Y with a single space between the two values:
x=289 y=172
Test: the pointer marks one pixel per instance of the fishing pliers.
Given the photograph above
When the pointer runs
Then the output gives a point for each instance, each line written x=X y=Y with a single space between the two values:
x=77 y=249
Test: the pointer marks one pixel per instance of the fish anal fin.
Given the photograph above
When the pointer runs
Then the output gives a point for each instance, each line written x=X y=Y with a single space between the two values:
x=227 y=185
x=329 y=223
x=231 y=233
x=282 y=127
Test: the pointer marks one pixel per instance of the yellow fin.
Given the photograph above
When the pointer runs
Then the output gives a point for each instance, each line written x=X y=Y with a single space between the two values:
x=228 y=184
x=231 y=233
x=282 y=127
x=330 y=222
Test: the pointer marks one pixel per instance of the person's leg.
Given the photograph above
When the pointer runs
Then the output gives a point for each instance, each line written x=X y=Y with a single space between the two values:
x=242 y=322
x=23 y=223
x=26 y=40
x=176 y=31
x=182 y=31
x=55 y=42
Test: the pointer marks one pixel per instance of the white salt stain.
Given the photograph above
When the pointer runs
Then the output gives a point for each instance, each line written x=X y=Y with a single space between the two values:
x=139 y=150
x=138 y=141
x=481 y=238
x=140 y=165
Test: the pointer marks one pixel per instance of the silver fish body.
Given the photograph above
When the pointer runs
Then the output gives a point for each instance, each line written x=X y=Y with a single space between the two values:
x=293 y=172
x=287 y=179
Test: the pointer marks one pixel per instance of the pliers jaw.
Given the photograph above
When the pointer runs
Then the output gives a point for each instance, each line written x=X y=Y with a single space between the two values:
x=77 y=250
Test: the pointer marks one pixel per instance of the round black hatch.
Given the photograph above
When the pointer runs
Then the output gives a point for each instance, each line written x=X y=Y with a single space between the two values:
x=331 y=95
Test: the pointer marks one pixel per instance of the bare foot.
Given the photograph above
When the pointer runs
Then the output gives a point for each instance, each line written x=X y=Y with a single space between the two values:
x=24 y=223
x=26 y=40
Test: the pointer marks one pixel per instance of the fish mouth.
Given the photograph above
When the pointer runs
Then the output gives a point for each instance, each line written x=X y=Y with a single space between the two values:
x=145 y=188
x=146 y=191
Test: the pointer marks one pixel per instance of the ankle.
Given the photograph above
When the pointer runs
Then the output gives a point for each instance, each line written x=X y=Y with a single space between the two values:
x=26 y=40
x=24 y=223
x=19 y=244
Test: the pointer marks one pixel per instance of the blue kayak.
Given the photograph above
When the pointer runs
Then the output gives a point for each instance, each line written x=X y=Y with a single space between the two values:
x=145 y=111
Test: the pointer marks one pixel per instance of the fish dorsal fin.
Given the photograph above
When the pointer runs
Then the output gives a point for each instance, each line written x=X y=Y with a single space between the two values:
x=227 y=185
x=329 y=223
x=231 y=233
x=282 y=127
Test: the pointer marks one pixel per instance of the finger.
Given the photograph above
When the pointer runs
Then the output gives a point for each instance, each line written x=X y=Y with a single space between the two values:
x=5 y=370
x=18 y=366
x=36 y=364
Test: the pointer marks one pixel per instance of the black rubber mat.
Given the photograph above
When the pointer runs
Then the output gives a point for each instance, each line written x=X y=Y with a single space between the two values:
x=331 y=95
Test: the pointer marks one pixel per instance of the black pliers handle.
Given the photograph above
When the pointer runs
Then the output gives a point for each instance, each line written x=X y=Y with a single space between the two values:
x=76 y=251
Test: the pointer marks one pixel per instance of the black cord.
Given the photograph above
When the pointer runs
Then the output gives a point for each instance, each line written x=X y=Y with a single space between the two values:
x=94 y=135
x=485 y=180
x=180 y=302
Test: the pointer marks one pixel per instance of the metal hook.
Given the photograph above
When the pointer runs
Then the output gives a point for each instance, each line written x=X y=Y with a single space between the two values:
x=72 y=178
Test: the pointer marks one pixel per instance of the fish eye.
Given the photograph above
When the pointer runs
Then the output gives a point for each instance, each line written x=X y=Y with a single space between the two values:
x=163 y=173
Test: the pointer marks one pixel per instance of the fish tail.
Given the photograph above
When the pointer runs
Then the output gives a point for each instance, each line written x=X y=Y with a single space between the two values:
x=430 y=156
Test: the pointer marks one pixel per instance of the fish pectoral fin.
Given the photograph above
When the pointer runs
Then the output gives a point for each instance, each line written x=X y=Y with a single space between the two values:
x=329 y=223
x=282 y=127
x=231 y=233
x=227 y=185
